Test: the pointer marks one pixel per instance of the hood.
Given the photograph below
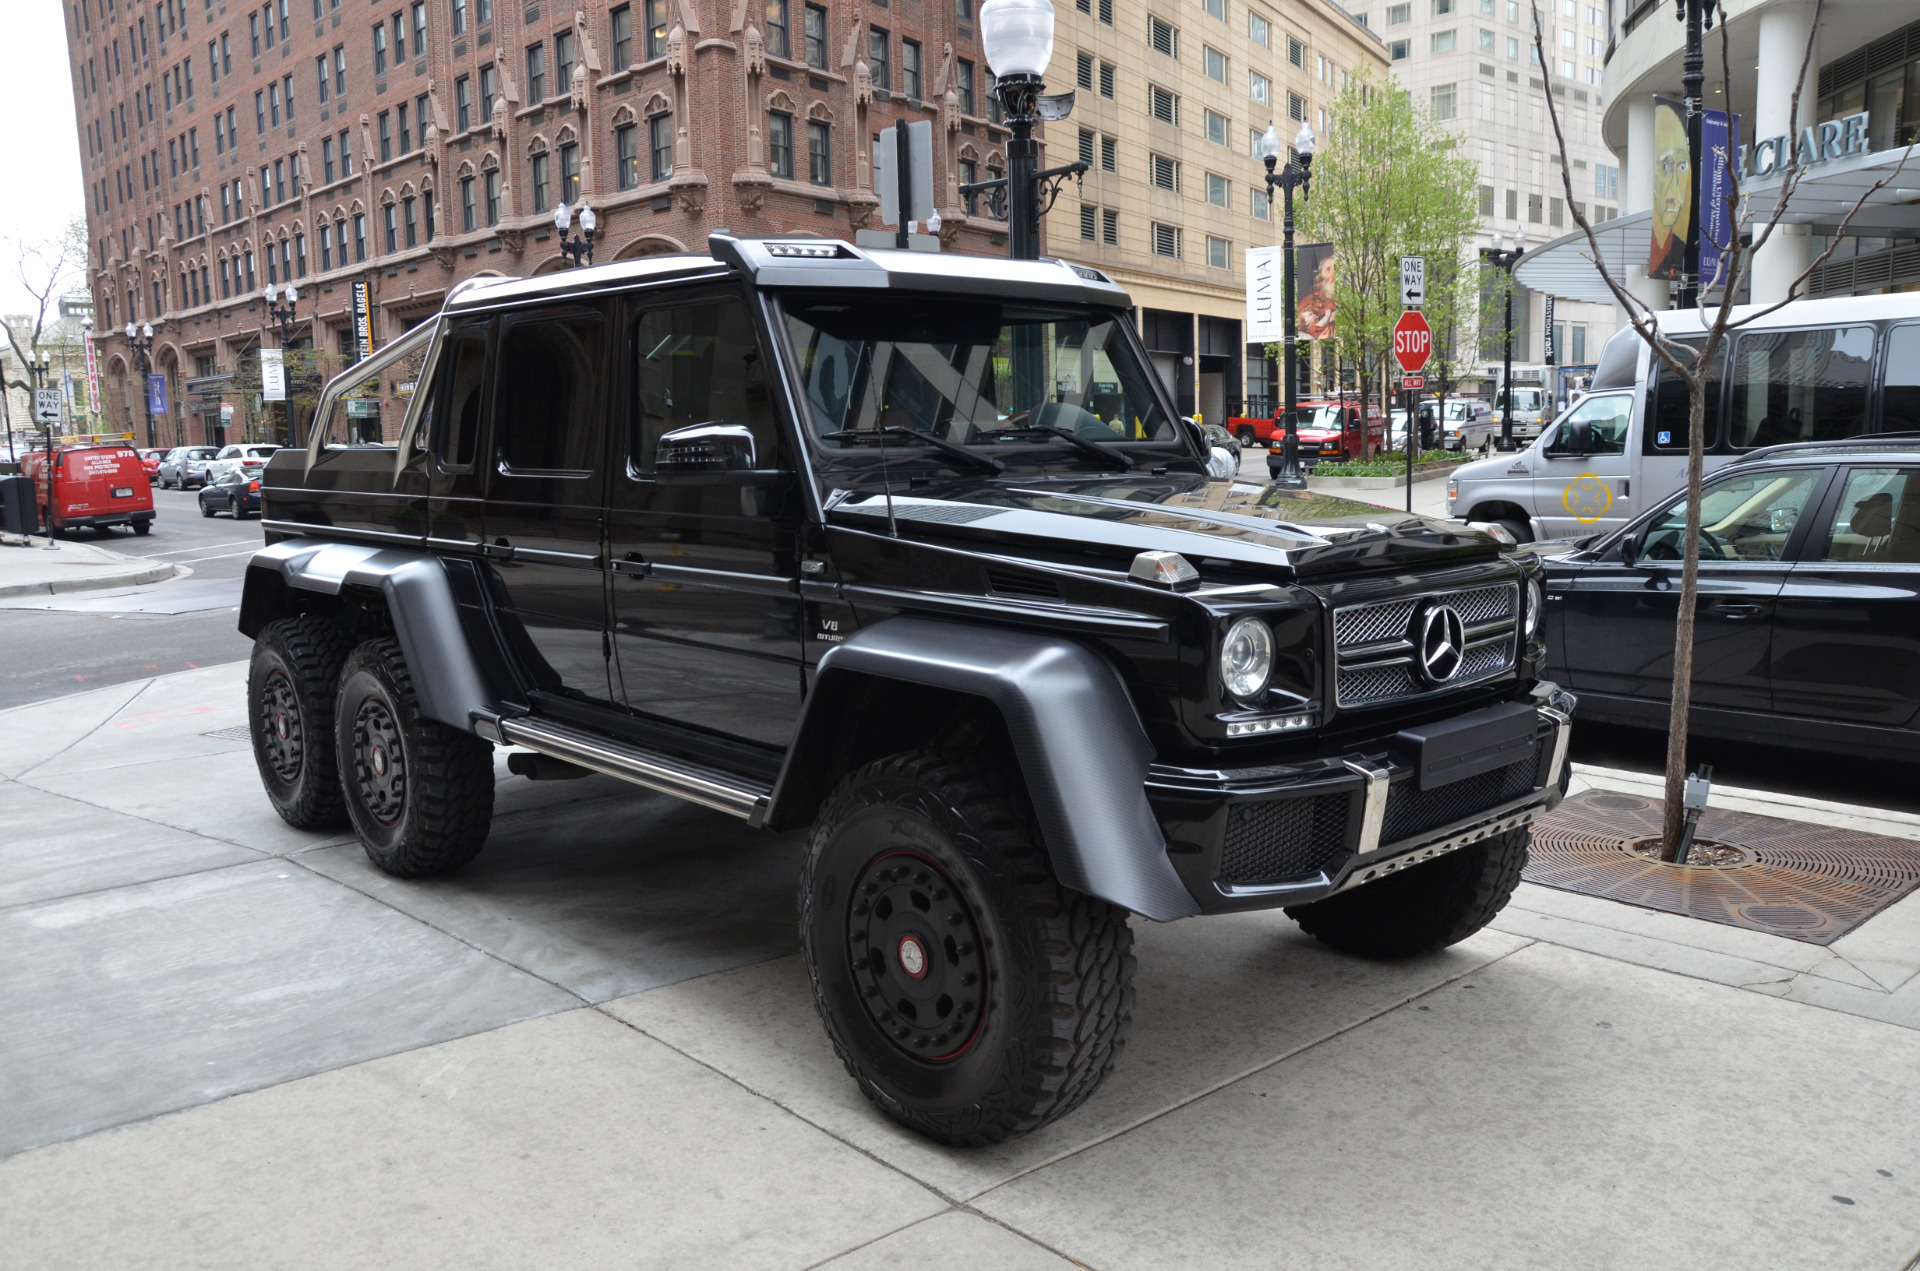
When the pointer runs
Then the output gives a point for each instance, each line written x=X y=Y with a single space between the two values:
x=1222 y=527
x=1497 y=468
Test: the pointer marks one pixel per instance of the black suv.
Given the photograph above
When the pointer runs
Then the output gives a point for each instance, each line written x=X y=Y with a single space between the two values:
x=913 y=550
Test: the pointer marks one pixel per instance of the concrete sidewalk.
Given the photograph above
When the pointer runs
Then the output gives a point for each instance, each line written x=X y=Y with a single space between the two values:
x=228 y=1043
x=35 y=569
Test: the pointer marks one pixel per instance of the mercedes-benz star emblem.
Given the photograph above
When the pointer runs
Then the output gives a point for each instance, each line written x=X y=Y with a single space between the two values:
x=1442 y=644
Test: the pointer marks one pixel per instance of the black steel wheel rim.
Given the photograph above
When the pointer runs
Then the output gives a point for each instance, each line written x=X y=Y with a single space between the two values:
x=379 y=761
x=280 y=727
x=917 y=959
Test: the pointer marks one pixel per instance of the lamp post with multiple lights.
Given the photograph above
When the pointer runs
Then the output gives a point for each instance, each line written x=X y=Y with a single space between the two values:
x=578 y=250
x=1297 y=174
x=140 y=343
x=1505 y=258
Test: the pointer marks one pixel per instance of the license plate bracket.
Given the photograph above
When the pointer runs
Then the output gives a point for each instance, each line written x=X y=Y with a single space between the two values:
x=1450 y=750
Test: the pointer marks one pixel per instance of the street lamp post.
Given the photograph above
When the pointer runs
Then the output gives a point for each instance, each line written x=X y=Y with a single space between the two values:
x=1298 y=173
x=1018 y=35
x=1698 y=15
x=578 y=250
x=140 y=342
x=1506 y=258
x=284 y=315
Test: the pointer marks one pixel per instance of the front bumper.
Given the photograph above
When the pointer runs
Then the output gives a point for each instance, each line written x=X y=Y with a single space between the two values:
x=1259 y=838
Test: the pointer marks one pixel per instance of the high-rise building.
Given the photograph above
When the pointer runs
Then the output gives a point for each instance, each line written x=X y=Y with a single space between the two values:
x=1170 y=99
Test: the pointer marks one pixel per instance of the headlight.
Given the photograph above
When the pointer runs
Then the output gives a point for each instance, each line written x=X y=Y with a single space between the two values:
x=1246 y=658
x=1536 y=601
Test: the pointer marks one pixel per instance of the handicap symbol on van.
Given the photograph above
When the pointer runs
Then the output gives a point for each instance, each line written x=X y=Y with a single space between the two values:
x=1587 y=499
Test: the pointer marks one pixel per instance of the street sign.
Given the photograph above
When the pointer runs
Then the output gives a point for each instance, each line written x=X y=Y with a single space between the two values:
x=1412 y=341
x=1413 y=381
x=1413 y=281
x=46 y=406
x=919 y=176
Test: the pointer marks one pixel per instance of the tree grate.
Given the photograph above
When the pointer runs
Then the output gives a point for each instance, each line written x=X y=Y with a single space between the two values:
x=239 y=732
x=1795 y=879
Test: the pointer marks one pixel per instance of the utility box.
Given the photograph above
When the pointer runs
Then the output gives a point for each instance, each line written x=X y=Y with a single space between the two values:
x=19 y=511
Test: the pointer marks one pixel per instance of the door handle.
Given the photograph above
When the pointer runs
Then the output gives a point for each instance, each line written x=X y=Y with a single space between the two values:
x=1735 y=609
x=499 y=549
x=632 y=566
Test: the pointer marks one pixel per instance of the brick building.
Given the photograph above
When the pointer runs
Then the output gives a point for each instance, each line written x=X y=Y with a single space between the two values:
x=416 y=143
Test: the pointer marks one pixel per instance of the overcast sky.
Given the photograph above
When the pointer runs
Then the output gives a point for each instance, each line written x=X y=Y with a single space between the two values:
x=41 y=187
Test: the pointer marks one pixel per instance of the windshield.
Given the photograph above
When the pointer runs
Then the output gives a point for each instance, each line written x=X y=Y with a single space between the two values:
x=1324 y=417
x=1003 y=376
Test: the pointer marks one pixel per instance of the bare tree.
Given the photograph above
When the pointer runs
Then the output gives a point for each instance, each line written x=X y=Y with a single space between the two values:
x=45 y=269
x=1691 y=362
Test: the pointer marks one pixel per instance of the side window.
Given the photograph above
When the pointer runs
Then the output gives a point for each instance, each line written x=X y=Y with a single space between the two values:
x=1597 y=426
x=1745 y=518
x=700 y=382
x=1667 y=431
x=1877 y=518
x=543 y=412
x=1800 y=385
x=1900 y=396
x=457 y=423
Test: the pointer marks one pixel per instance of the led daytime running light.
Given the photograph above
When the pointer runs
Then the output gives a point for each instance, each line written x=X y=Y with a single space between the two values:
x=1272 y=724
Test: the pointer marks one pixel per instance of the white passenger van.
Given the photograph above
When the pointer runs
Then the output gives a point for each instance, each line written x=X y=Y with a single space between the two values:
x=1811 y=370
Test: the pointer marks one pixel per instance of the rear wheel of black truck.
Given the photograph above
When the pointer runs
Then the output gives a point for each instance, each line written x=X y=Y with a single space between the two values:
x=1427 y=907
x=970 y=995
x=419 y=792
x=290 y=687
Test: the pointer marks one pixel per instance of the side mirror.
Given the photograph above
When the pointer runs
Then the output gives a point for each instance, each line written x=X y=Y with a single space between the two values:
x=706 y=448
x=1195 y=431
x=1630 y=549
x=1574 y=437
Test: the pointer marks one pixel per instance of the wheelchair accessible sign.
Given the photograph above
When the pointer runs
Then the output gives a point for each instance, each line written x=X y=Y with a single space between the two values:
x=1587 y=499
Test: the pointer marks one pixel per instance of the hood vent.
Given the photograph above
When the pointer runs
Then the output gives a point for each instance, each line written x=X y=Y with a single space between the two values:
x=1003 y=582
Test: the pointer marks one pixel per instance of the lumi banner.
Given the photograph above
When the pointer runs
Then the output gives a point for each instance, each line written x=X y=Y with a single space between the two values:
x=1266 y=319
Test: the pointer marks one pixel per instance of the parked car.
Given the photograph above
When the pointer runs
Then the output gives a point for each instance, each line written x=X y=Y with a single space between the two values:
x=150 y=460
x=1220 y=439
x=1808 y=623
x=1467 y=423
x=800 y=554
x=243 y=457
x=235 y=492
x=1811 y=370
x=95 y=486
x=185 y=466
x=1328 y=430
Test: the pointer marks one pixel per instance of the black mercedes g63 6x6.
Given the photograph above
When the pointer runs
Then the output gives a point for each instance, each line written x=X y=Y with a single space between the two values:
x=914 y=550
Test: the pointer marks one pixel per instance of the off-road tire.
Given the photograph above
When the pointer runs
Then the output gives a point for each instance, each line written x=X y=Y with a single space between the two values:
x=1428 y=907
x=1058 y=964
x=291 y=684
x=435 y=815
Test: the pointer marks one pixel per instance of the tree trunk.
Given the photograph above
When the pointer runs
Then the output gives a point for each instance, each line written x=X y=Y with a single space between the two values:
x=1683 y=624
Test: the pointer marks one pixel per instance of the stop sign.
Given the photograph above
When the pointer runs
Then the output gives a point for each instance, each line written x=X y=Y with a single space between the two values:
x=1412 y=341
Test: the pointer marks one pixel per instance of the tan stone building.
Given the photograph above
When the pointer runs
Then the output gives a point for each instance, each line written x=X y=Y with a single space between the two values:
x=1171 y=95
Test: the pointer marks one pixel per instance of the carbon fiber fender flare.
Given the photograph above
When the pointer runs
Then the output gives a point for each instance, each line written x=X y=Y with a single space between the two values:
x=419 y=598
x=1082 y=749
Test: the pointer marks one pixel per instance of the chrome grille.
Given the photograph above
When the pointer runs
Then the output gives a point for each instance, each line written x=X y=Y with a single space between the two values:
x=1373 y=643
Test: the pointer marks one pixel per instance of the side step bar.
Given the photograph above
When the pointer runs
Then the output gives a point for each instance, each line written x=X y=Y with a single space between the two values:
x=719 y=791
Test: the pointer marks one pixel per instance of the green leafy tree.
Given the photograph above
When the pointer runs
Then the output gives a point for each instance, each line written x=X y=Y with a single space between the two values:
x=1388 y=181
x=307 y=372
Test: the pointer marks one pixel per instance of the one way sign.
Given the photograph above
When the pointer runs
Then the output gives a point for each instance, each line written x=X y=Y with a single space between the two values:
x=1413 y=281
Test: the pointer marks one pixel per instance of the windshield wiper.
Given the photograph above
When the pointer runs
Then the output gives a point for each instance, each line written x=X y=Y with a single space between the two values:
x=1125 y=461
x=945 y=447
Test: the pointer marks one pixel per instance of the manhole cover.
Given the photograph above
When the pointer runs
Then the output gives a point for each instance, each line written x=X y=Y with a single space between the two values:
x=1788 y=878
x=239 y=732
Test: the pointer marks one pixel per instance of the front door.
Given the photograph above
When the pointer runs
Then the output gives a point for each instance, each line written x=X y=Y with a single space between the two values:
x=541 y=520
x=453 y=437
x=704 y=519
x=1846 y=642
x=1581 y=473
x=1619 y=617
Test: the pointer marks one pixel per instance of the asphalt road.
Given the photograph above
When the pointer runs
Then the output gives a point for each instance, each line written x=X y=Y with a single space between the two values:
x=50 y=646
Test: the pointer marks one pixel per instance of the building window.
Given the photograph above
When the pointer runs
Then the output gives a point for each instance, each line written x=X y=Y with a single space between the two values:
x=910 y=69
x=407 y=221
x=1109 y=155
x=1106 y=12
x=816 y=35
x=536 y=72
x=660 y=143
x=1260 y=205
x=1217 y=190
x=626 y=146
x=1162 y=37
x=1109 y=227
x=1259 y=88
x=1106 y=80
x=406 y=131
x=390 y=217
x=491 y=182
x=339 y=69
x=1296 y=53
x=459 y=16
x=1513 y=204
x=1083 y=71
x=542 y=182
x=359 y=243
x=1087 y=140
x=1513 y=48
x=463 y=103
x=570 y=172
x=1443 y=41
x=1535 y=208
x=1445 y=98
x=1166 y=241
x=1296 y=108
x=467 y=221
x=780 y=143
x=563 y=62
x=1214 y=62
x=1164 y=172
x=326 y=258
x=1217 y=253
x=379 y=48
x=622 y=23
x=279 y=181
x=1258 y=30
x=1486 y=200
x=1556 y=212
x=963 y=77
x=386 y=136
x=1163 y=105
x=346 y=156
x=1400 y=50
x=1089 y=222
x=819 y=152
x=325 y=78
x=879 y=49
x=1398 y=14
x=1215 y=9
x=486 y=95
x=419 y=28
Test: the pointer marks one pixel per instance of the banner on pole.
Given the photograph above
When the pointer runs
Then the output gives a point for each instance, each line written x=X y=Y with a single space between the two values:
x=362 y=306
x=156 y=393
x=1266 y=320
x=273 y=376
x=93 y=374
x=1719 y=137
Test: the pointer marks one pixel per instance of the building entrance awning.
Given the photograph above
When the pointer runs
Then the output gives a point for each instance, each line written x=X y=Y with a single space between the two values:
x=1564 y=267
x=1827 y=193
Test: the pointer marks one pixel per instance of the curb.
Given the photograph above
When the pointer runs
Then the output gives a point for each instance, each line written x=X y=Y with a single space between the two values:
x=64 y=586
x=1376 y=483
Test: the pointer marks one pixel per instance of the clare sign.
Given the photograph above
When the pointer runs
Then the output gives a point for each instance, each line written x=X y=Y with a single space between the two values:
x=1412 y=342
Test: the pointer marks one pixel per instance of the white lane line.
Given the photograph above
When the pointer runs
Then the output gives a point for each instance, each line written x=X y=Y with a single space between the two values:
x=204 y=547
x=228 y=556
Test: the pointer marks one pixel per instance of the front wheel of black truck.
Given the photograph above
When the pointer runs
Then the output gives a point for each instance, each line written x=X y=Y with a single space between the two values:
x=420 y=794
x=1427 y=907
x=970 y=995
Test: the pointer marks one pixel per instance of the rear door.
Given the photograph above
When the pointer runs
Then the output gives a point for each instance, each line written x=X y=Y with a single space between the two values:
x=541 y=518
x=1582 y=474
x=1846 y=641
